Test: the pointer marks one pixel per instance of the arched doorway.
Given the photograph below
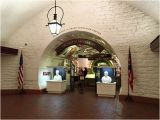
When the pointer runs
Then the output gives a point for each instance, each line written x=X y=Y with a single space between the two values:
x=78 y=49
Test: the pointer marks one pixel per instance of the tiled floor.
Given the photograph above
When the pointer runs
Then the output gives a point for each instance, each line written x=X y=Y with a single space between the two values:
x=73 y=105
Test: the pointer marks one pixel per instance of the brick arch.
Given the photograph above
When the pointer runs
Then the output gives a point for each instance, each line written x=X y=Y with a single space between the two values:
x=52 y=49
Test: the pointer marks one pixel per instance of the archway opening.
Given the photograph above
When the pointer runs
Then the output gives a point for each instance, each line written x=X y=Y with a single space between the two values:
x=76 y=50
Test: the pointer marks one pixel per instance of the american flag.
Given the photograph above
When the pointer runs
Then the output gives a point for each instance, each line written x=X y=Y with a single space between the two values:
x=20 y=73
x=130 y=70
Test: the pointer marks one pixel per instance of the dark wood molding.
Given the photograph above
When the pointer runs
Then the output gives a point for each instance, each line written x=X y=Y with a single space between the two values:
x=32 y=91
x=10 y=51
x=9 y=92
x=98 y=56
x=26 y=91
x=79 y=41
x=154 y=45
x=140 y=99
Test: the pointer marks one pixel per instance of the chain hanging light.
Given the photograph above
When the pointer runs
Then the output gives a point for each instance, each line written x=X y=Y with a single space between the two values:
x=54 y=24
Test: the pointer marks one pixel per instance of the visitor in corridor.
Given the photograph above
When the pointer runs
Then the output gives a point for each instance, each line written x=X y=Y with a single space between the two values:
x=81 y=80
x=106 y=78
x=85 y=72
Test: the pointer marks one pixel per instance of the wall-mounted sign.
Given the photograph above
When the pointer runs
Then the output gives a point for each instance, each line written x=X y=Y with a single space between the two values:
x=99 y=56
x=90 y=43
x=81 y=28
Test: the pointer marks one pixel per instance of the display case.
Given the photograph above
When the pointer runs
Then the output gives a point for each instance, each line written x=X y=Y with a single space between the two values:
x=107 y=88
x=58 y=82
x=62 y=72
x=99 y=73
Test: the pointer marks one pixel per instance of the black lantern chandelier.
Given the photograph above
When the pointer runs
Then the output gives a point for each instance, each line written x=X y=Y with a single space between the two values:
x=54 y=24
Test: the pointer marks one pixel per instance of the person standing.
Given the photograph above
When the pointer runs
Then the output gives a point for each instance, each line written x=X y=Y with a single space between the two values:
x=81 y=80
x=85 y=72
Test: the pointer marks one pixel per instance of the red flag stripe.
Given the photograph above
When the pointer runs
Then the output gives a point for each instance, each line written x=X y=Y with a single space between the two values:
x=20 y=85
x=20 y=73
x=20 y=77
x=20 y=80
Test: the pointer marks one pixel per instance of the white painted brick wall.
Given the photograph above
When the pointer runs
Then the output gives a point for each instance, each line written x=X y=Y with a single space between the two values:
x=9 y=71
x=120 y=25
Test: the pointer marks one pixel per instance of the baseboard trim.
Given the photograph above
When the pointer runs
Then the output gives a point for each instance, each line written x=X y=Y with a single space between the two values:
x=9 y=91
x=26 y=91
x=141 y=99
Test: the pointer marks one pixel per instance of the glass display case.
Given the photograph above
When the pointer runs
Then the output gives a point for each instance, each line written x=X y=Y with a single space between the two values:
x=99 y=73
x=105 y=81
x=58 y=82
x=62 y=72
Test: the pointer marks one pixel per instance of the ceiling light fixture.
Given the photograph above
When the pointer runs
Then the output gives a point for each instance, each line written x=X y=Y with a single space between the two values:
x=54 y=23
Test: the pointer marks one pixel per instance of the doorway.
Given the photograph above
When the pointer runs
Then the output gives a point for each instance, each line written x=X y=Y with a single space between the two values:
x=77 y=50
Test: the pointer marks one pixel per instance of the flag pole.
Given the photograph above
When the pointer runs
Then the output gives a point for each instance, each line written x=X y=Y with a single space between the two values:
x=129 y=98
x=20 y=74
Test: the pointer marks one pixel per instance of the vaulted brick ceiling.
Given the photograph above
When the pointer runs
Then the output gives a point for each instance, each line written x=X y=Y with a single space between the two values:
x=14 y=13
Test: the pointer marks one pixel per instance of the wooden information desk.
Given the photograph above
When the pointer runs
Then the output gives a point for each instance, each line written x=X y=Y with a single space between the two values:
x=106 y=89
x=56 y=86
